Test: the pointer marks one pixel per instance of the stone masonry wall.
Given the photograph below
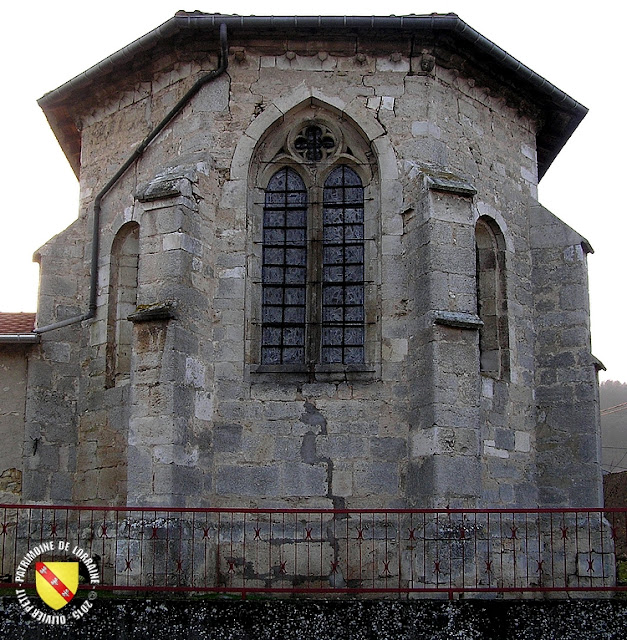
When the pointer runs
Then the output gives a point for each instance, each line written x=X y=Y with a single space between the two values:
x=568 y=432
x=12 y=407
x=54 y=400
x=202 y=426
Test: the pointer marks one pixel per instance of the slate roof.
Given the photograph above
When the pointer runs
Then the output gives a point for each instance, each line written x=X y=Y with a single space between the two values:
x=16 y=323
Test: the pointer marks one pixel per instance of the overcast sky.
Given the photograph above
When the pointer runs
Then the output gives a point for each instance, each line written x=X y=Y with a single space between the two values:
x=581 y=52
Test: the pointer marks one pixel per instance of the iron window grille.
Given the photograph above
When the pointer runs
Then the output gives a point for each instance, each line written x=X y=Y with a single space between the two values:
x=313 y=275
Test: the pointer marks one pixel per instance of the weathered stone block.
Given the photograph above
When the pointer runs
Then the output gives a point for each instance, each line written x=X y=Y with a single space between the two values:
x=376 y=478
x=248 y=481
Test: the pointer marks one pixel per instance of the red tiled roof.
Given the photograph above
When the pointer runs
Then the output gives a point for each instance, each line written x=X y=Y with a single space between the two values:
x=16 y=322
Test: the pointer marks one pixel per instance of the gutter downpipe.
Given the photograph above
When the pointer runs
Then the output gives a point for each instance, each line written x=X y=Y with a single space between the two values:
x=95 y=244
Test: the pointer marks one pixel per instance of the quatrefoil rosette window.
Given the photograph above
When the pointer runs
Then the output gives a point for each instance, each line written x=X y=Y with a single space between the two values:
x=312 y=183
x=314 y=141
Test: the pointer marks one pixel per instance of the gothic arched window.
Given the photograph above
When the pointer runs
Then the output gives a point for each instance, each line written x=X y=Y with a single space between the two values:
x=313 y=294
x=492 y=299
x=122 y=302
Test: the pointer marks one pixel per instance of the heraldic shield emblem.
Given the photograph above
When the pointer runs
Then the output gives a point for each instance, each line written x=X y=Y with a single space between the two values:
x=56 y=582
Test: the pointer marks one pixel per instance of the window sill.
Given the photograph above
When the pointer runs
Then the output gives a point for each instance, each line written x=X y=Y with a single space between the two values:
x=318 y=372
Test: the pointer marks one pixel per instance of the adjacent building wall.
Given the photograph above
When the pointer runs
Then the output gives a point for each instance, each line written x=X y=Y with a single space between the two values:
x=568 y=432
x=13 y=365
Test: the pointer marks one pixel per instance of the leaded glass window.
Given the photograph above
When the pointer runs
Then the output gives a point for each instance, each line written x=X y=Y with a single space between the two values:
x=343 y=268
x=313 y=293
x=284 y=273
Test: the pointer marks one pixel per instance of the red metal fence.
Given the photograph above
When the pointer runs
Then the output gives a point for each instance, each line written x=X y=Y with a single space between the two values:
x=318 y=551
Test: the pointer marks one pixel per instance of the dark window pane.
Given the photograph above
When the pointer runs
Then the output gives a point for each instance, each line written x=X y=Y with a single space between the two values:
x=272 y=314
x=294 y=182
x=294 y=336
x=296 y=219
x=293 y=355
x=332 y=216
x=271 y=355
x=295 y=296
x=272 y=275
x=354 y=232
x=271 y=335
x=273 y=256
x=332 y=336
x=331 y=354
x=295 y=236
x=296 y=199
x=335 y=178
x=333 y=274
x=354 y=295
x=294 y=315
x=332 y=315
x=333 y=234
x=333 y=195
x=273 y=219
x=354 y=254
x=273 y=236
x=332 y=295
x=296 y=257
x=275 y=199
x=273 y=295
x=354 y=273
x=295 y=275
x=333 y=255
x=354 y=335
x=354 y=355
x=353 y=195
x=279 y=181
x=351 y=178
x=353 y=215
x=354 y=314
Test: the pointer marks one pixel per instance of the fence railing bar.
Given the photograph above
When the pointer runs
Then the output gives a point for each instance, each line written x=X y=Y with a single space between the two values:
x=327 y=551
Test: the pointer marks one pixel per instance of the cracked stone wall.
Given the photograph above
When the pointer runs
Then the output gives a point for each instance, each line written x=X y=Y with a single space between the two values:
x=196 y=423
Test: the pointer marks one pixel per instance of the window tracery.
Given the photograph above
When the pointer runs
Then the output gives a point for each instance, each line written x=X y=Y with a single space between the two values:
x=314 y=142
